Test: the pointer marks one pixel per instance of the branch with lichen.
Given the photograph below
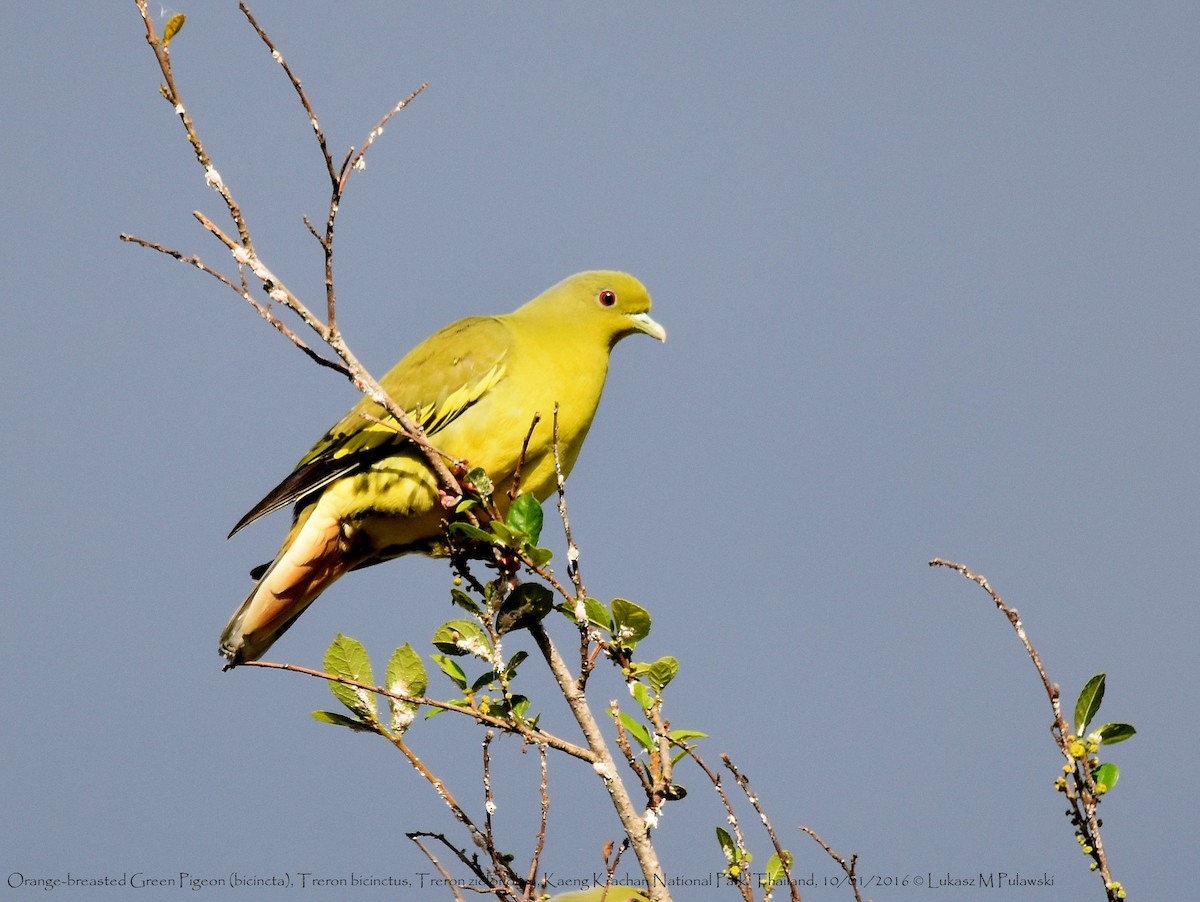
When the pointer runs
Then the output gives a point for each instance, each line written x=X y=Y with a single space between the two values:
x=734 y=846
x=347 y=669
x=849 y=868
x=1084 y=778
x=241 y=245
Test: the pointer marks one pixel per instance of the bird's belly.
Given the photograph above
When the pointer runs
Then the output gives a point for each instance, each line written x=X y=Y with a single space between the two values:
x=395 y=506
x=500 y=441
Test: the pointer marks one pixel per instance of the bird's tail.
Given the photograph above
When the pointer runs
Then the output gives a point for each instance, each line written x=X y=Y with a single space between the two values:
x=310 y=560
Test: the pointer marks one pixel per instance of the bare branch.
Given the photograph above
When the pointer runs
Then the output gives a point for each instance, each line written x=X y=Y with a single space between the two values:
x=242 y=292
x=417 y=836
x=292 y=77
x=730 y=815
x=243 y=249
x=849 y=867
x=752 y=797
x=355 y=161
x=572 y=548
x=515 y=488
x=518 y=727
x=504 y=891
x=170 y=91
x=605 y=766
x=1061 y=732
x=540 y=842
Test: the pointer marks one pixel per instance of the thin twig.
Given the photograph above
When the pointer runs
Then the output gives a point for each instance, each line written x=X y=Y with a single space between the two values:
x=1061 y=730
x=515 y=488
x=338 y=177
x=611 y=861
x=439 y=787
x=540 y=839
x=500 y=866
x=848 y=867
x=245 y=255
x=605 y=766
x=292 y=77
x=355 y=160
x=587 y=655
x=752 y=797
x=731 y=817
x=518 y=727
x=627 y=750
x=417 y=836
x=572 y=548
x=1052 y=690
x=240 y=290
x=170 y=92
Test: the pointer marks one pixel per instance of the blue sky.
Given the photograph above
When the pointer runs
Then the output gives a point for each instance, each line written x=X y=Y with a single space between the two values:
x=929 y=273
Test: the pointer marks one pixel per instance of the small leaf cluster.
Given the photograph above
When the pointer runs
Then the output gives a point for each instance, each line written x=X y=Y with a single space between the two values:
x=737 y=858
x=777 y=868
x=1081 y=747
x=622 y=625
x=1082 y=744
x=462 y=638
x=625 y=624
x=518 y=531
x=405 y=676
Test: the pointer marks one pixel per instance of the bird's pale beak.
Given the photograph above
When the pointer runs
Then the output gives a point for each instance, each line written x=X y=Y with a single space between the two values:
x=643 y=323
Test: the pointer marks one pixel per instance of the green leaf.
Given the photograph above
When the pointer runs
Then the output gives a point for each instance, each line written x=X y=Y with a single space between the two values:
x=174 y=24
x=1108 y=774
x=405 y=676
x=685 y=735
x=679 y=739
x=479 y=478
x=642 y=695
x=463 y=637
x=346 y=657
x=450 y=667
x=525 y=516
x=728 y=846
x=661 y=672
x=1112 y=733
x=1088 y=703
x=538 y=555
x=466 y=602
x=636 y=730
x=434 y=712
x=598 y=614
x=775 y=868
x=519 y=705
x=510 y=669
x=503 y=534
x=485 y=679
x=525 y=605
x=341 y=720
x=471 y=531
x=631 y=622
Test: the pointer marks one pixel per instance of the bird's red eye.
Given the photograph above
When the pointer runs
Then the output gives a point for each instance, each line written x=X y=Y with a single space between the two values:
x=607 y=297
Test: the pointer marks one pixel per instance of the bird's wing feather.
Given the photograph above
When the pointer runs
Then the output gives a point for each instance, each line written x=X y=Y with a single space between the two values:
x=435 y=383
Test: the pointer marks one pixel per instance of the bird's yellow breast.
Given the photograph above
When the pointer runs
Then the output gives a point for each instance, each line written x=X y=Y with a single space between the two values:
x=395 y=506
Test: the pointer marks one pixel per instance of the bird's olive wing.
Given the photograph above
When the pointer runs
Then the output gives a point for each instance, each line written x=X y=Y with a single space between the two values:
x=435 y=383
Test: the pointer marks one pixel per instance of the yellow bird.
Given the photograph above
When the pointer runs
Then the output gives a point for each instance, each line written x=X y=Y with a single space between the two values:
x=603 y=894
x=365 y=493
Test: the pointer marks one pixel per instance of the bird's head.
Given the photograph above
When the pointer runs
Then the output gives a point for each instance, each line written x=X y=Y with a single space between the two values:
x=609 y=304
